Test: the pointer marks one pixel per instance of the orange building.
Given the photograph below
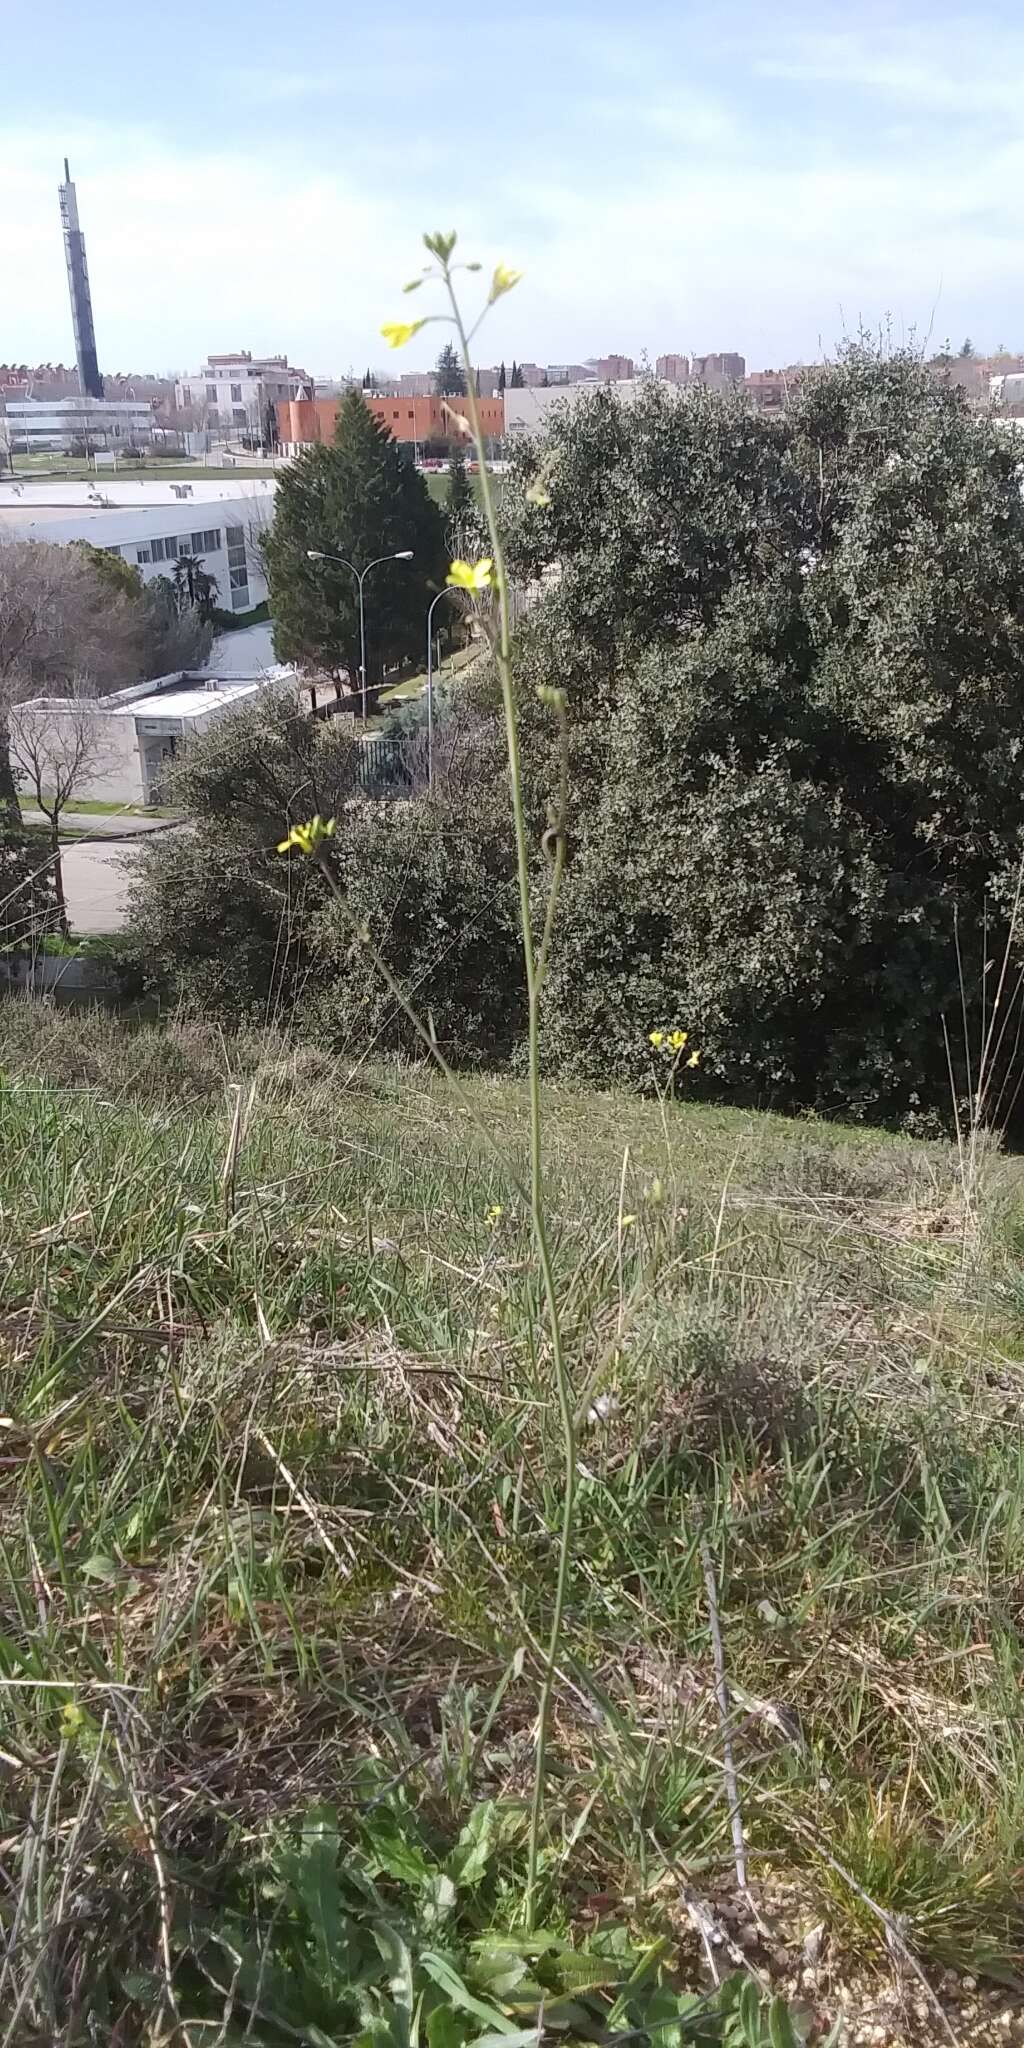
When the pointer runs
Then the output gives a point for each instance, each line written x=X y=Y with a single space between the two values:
x=301 y=421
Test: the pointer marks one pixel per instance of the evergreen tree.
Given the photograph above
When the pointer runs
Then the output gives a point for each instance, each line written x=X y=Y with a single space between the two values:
x=460 y=490
x=449 y=379
x=516 y=380
x=967 y=348
x=359 y=498
x=501 y=380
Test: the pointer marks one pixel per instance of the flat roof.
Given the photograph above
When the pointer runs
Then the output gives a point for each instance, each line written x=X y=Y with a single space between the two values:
x=108 y=492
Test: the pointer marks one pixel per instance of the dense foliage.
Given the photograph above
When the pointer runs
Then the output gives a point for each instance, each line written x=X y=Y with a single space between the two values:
x=800 y=783
x=793 y=653
x=220 y=916
x=358 y=497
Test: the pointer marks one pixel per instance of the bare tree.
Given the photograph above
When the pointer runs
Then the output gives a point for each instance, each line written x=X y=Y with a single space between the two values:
x=57 y=744
x=58 y=625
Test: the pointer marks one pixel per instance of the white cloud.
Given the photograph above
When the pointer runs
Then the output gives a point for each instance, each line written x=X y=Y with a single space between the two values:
x=679 y=213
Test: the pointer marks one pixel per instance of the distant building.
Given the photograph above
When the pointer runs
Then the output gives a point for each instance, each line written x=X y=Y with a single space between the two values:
x=77 y=426
x=236 y=394
x=674 y=369
x=139 y=732
x=719 y=371
x=612 y=369
x=150 y=524
x=771 y=390
x=528 y=411
x=42 y=380
x=304 y=421
x=569 y=373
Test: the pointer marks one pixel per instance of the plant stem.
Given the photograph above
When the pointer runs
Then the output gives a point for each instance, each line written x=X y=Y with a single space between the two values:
x=535 y=966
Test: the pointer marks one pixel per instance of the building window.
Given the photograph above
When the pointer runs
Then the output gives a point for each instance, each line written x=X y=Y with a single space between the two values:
x=197 y=544
x=157 y=551
x=240 y=599
x=143 y=554
x=211 y=393
x=238 y=415
x=238 y=578
x=411 y=414
x=236 y=394
x=236 y=536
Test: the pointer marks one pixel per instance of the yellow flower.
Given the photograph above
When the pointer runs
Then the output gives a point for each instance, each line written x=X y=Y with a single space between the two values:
x=495 y=1213
x=694 y=1060
x=472 y=575
x=503 y=280
x=625 y=1221
x=677 y=1040
x=397 y=332
x=657 y=1038
x=537 y=495
x=308 y=838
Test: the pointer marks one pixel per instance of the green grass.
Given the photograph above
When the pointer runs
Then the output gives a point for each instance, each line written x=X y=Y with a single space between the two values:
x=413 y=686
x=148 y=472
x=96 y=807
x=278 y=1521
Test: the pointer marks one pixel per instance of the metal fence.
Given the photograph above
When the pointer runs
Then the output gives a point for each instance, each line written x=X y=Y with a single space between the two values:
x=383 y=770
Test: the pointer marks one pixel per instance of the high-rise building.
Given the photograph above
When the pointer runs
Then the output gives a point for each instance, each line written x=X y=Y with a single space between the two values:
x=674 y=369
x=720 y=370
x=90 y=381
x=611 y=368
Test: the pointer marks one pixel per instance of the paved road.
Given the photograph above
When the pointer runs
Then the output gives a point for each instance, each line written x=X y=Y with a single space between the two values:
x=96 y=887
x=97 y=878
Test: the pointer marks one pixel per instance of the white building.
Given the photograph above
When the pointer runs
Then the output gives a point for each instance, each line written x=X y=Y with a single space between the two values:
x=237 y=394
x=150 y=524
x=77 y=426
x=135 y=733
x=527 y=411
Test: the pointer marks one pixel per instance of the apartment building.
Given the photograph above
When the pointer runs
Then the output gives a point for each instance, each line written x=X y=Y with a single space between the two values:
x=612 y=369
x=675 y=369
x=236 y=394
x=771 y=390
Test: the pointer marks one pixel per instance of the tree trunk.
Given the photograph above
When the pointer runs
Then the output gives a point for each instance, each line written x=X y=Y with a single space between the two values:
x=58 y=876
x=8 y=787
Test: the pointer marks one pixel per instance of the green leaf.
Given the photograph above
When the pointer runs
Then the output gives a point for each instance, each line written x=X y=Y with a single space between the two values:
x=472 y=1851
x=781 y=2031
x=398 y=1962
x=750 y=2015
x=315 y=1878
x=444 y=2030
x=395 y=1850
x=447 y=1979
x=520 y=2037
x=498 y=1971
x=101 y=1567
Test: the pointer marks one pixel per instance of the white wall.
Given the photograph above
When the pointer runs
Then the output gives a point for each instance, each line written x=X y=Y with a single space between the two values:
x=527 y=411
x=114 y=772
x=131 y=529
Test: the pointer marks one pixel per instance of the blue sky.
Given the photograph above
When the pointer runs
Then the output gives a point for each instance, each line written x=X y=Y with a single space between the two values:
x=668 y=176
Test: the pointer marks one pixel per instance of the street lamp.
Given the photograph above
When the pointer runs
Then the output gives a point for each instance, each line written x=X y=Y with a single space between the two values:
x=321 y=555
x=430 y=684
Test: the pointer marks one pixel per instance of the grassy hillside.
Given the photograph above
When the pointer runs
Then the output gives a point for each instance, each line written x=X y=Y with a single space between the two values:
x=279 y=1491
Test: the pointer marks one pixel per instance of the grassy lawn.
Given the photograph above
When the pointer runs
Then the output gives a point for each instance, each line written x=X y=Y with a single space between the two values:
x=150 y=472
x=413 y=686
x=279 y=1495
x=96 y=807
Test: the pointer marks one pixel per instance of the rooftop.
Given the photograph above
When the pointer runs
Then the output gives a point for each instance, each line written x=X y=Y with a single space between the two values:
x=108 y=491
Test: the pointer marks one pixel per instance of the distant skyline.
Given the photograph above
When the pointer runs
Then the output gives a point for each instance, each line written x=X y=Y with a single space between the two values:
x=674 y=178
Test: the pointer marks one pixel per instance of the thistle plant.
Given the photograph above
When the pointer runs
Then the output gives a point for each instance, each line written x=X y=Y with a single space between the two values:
x=486 y=585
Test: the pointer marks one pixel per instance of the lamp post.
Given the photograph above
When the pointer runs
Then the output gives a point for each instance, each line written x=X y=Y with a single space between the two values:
x=321 y=555
x=430 y=683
